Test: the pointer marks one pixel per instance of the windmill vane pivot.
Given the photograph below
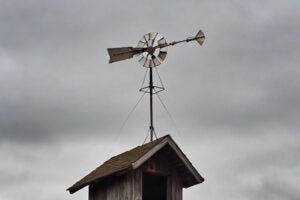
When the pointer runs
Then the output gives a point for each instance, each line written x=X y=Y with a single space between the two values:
x=151 y=50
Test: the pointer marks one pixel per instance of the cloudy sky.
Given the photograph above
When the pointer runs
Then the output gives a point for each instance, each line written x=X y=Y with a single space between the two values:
x=235 y=101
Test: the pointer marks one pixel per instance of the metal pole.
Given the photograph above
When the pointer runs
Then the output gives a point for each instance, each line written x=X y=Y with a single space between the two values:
x=151 y=103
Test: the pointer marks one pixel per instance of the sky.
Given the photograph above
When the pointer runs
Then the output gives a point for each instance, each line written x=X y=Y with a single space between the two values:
x=234 y=101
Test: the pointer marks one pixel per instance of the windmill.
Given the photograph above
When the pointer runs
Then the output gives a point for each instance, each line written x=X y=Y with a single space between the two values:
x=155 y=170
x=151 y=51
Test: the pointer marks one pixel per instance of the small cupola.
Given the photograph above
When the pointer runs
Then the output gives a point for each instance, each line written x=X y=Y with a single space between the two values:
x=157 y=170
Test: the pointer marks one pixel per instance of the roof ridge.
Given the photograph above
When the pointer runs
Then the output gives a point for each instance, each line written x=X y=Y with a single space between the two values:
x=151 y=142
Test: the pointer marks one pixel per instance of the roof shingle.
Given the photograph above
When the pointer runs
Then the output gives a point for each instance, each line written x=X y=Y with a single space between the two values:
x=134 y=158
x=115 y=164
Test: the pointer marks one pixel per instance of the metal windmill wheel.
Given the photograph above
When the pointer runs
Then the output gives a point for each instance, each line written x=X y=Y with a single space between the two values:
x=154 y=55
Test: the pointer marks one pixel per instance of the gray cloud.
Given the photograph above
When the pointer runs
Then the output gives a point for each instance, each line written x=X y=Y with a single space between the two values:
x=234 y=100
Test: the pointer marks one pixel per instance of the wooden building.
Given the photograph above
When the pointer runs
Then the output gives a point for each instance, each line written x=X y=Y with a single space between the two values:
x=158 y=170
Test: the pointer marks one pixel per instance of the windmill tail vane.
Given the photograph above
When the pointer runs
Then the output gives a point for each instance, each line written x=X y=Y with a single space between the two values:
x=122 y=53
x=146 y=44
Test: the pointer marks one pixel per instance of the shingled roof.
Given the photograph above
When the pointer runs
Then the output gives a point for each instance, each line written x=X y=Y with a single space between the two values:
x=133 y=159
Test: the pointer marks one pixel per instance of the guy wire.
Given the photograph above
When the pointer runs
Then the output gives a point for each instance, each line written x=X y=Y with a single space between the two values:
x=155 y=133
x=146 y=72
x=125 y=121
x=146 y=136
x=169 y=114
x=156 y=70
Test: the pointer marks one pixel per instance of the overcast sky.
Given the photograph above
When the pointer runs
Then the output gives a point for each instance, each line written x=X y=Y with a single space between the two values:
x=235 y=101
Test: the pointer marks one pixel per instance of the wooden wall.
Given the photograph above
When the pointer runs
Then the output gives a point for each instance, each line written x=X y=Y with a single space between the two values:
x=129 y=186
x=158 y=165
x=124 y=187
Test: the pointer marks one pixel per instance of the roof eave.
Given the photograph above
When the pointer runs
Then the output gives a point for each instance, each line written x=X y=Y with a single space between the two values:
x=74 y=188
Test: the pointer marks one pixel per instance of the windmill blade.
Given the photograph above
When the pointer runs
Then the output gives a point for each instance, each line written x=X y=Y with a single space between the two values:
x=144 y=60
x=162 y=55
x=156 y=61
x=123 y=53
x=162 y=41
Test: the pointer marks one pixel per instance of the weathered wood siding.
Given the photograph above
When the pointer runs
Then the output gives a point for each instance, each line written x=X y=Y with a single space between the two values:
x=158 y=165
x=138 y=184
x=120 y=188
x=129 y=186
x=124 y=187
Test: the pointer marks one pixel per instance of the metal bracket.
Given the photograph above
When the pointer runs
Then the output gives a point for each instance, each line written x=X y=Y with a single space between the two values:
x=147 y=89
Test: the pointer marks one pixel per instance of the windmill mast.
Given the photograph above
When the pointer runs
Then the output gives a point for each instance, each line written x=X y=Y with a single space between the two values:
x=151 y=87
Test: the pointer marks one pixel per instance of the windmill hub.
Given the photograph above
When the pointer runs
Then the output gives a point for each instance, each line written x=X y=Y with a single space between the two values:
x=151 y=50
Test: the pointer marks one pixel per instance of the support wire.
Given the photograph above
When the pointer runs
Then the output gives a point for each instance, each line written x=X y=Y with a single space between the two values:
x=132 y=110
x=124 y=123
x=154 y=133
x=169 y=114
x=159 y=78
x=146 y=136
x=146 y=72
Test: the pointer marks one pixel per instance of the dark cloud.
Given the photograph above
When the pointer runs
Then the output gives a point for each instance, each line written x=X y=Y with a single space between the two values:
x=234 y=100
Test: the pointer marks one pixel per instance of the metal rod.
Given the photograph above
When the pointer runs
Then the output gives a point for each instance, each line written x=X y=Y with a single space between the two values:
x=151 y=103
x=177 y=42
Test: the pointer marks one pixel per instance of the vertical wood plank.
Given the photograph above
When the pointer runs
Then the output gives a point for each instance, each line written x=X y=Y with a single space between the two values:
x=137 y=187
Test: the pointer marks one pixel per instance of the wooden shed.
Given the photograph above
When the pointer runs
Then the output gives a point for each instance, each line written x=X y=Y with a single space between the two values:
x=158 y=170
